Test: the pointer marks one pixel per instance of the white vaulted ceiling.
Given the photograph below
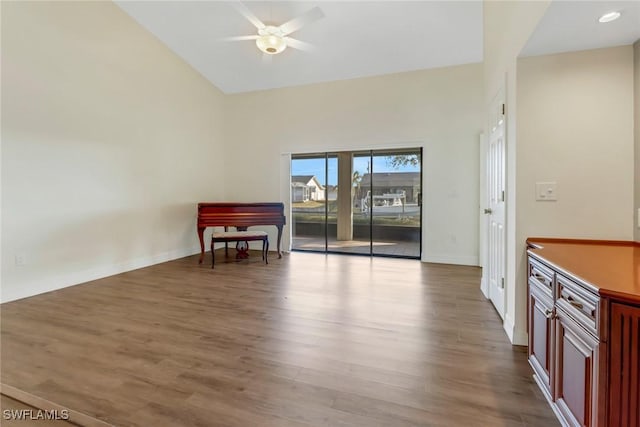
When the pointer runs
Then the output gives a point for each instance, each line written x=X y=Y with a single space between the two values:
x=354 y=39
x=361 y=38
x=569 y=26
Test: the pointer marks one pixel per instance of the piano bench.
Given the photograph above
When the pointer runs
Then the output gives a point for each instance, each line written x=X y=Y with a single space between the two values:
x=240 y=236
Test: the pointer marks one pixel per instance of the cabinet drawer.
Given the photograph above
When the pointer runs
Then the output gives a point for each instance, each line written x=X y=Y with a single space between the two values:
x=541 y=275
x=578 y=302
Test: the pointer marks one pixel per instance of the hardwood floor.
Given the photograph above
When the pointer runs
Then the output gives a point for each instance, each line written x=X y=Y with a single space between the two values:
x=307 y=340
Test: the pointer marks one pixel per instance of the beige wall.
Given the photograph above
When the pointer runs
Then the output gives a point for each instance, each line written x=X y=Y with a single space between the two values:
x=108 y=141
x=507 y=27
x=575 y=127
x=437 y=109
x=574 y=116
x=636 y=115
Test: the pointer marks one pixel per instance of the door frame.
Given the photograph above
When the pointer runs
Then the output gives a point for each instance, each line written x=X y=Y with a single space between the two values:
x=483 y=220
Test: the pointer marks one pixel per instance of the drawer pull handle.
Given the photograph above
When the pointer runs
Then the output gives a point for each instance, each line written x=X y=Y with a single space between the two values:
x=575 y=303
x=548 y=313
x=540 y=277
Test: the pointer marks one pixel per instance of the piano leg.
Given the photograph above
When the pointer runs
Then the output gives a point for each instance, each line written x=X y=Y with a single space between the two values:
x=279 y=238
x=213 y=254
x=226 y=244
x=201 y=236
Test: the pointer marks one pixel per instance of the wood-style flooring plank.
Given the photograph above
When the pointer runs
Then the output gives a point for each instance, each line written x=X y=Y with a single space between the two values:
x=307 y=340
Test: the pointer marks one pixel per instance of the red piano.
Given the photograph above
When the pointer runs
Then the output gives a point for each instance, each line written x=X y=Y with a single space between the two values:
x=241 y=216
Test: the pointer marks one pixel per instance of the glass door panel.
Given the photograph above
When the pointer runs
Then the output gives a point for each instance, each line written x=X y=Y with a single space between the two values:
x=395 y=200
x=333 y=195
x=308 y=202
x=358 y=239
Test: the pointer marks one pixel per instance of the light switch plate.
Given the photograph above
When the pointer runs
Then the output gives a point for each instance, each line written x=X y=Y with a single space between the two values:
x=546 y=191
x=20 y=259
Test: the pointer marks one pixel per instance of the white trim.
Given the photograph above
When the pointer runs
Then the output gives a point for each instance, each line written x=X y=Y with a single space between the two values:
x=451 y=259
x=520 y=338
x=418 y=143
x=510 y=249
x=509 y=326
x=483 y=220
x=285 y=197
x=79 y=277
x=516 y=337
x=484 y=285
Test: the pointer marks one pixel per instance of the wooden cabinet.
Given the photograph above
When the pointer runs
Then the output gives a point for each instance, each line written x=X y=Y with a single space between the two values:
x=540 y=341
x=584 y=335
x=540 y=336
x=624 y=374
x=576 y=370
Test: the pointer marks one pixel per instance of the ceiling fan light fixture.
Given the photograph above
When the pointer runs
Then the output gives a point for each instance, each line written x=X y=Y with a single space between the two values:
x=272 y=40
x=271 y=44
x=608 y=17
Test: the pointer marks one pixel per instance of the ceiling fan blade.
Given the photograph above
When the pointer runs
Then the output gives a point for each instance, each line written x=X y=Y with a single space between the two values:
x=306 y=18
x=267 y=59
x=239 y=38
x=244 y=11
x=297 y=44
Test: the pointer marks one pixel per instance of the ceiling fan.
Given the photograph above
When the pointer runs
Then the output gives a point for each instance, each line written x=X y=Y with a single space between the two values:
x=272 y=39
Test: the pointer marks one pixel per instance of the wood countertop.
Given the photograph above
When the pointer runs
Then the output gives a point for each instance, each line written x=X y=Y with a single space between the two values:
x=610 y=268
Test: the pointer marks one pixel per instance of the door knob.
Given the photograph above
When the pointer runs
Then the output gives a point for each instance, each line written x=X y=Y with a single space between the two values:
x=488 y=211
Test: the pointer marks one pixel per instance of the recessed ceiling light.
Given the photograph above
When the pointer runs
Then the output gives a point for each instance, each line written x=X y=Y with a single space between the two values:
x=608 y=17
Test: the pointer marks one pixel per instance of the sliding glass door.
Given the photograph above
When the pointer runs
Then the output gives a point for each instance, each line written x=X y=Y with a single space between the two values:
x=395 y=194
x=364 y=202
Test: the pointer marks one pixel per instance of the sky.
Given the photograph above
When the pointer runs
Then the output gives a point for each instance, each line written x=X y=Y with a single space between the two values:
x=360 y=164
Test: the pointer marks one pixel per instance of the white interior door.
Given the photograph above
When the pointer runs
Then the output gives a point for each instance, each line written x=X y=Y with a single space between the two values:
x=495 y=158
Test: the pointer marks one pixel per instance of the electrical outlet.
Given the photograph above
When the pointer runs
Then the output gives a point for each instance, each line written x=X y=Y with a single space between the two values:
x=21 y=259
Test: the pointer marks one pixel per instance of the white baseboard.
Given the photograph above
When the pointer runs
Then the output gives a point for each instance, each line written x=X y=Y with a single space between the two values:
x=509 y=326
x=516 y=337
x=520 y=338
x=451 y=259
x=484 y=286
x=78 y=277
